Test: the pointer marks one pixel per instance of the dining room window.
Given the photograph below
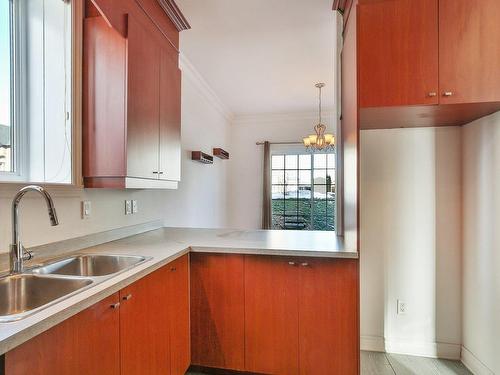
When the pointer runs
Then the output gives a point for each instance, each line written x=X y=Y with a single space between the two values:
x=303 y=191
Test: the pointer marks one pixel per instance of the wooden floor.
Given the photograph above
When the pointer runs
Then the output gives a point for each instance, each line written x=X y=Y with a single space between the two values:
x=373 y=363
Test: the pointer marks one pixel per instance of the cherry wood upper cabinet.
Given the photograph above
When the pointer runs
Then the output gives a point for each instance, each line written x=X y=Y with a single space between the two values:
x=180 y=334
x=132 y=97
x=217 y=311
x=469 y=51
x=328 y=316
x=170 y=115
x=271 y=315
x=398 y=52
x=143 y=123
x=87 y=343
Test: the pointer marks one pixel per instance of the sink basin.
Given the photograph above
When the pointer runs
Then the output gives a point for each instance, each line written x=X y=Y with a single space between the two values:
x=21 y=294
x=91 y=265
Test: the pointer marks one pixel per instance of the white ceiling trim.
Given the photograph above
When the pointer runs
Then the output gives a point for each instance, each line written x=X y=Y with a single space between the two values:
x=285 y=117
x=190 y=72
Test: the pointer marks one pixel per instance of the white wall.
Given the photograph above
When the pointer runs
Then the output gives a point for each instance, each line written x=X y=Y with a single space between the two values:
x=200 y=200
x=410 y=240
x=246 y=163
x=481 y=245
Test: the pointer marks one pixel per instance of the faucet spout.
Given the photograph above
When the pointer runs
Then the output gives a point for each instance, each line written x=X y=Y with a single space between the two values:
x=17 y=252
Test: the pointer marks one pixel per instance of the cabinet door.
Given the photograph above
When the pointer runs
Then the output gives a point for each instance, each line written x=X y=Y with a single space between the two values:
x=170 y=115
x=180 y=341
x=217 y=311
x=469 y=52
x=87 y=343
x=398 y=52
x=143 y=100
x=271 y=315
x=144 y=326
x=328 y=317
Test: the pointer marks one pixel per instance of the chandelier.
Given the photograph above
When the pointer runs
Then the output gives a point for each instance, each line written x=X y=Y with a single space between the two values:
x=319 y=141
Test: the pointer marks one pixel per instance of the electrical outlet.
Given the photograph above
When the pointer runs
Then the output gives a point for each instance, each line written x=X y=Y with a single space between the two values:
x=134 y=206
x=128 y=207
x=86 y=209
x=402 y=307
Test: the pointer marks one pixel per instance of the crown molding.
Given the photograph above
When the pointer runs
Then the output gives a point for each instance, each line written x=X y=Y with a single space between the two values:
x=174 y=13
x=283 y=118
x=190 y=72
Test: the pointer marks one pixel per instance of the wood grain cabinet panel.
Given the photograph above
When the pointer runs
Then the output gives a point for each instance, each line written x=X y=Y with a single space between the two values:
x=217 y=311
x=180 y=334
x=271 y=315
x=469 y=51
x=143 y=122
x=398 y=52
x=87 y=343
x=144 y=325
x=328 y=316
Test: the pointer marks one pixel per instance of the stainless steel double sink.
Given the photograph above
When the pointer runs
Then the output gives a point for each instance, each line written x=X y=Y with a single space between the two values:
x=24 y=294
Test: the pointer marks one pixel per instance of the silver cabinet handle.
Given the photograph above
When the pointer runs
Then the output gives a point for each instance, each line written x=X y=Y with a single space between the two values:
x=127 y=297
x=160 y=172
x=431 y=94
x=291 y=263
x=304 y=264
x=115 y=305
x=447 y=93
x=155 y=172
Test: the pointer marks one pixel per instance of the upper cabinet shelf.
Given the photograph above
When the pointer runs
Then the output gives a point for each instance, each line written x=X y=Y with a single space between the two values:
x=427 y=62
x=132 y=98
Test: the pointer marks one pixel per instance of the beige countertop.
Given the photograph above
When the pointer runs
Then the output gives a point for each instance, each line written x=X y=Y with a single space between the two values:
x=162 y=246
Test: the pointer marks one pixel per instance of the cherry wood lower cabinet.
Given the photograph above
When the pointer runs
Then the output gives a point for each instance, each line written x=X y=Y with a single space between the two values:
x=217 y=311
x=143 y=329
x=275 y=315
x=87 y=343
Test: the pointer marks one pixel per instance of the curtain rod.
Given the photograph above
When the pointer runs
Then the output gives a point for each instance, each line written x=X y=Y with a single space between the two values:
x=279 y=143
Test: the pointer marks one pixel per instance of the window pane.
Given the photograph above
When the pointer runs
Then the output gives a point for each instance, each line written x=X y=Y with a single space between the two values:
x=304 y=177
x=330 y=207
x=319 y=160
x=331 y=160
x=278 y=162
x=330 y=180
x=304 y=192
x=330 y=224
x=5 y=89
x=320 y=176
x=305 y=161
x=319 y=191
x=278 y=192
x=291 y=177
x=278 y=177
x=291 y=191
x=291 y=161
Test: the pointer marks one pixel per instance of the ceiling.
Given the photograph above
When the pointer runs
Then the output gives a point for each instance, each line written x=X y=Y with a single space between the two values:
x=262 y=56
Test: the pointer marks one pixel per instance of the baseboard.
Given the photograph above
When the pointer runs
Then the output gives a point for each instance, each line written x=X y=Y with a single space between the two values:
x=431 y=349
x=474 y=364
x=373 y=343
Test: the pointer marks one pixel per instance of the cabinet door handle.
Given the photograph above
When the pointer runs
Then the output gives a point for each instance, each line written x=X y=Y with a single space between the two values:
x=115 y=305
x=127 y=297
x=291 y=263
x=305 y=264
x=447 y=93
x=173 y=269
x=431 y=94
x=160 y=172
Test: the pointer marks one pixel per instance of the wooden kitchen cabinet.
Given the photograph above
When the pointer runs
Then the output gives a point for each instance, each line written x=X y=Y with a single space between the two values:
x=469 y=52
x=328 y=316
x=217 y=311
x=398 y=48
x=179 y=328
x=87 y=343
x=425 y=63
x=144 y=325
x=131 y=100
x=271 y=315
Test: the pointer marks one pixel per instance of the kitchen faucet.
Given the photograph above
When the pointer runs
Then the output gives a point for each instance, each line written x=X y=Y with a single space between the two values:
x=18 y=254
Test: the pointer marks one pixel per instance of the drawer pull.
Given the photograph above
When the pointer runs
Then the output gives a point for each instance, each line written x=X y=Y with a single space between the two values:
x=173 y=269
x=447 y=93
x=305 y=264
x=115 y=305
x=127 y=297
x=431 y=94
x=291 y=263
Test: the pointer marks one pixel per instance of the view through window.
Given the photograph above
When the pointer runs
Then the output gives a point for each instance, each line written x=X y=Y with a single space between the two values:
x=303 y=191
x=6 y=164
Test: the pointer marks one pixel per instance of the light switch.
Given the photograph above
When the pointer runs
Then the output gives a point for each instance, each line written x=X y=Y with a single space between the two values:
x=134 y=206
x=128 y=207
x=86 y=209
